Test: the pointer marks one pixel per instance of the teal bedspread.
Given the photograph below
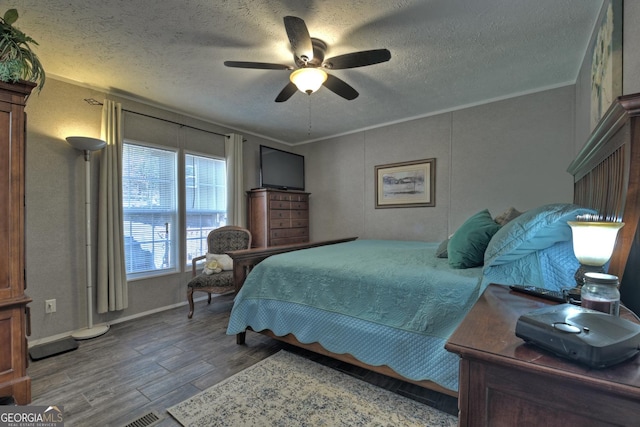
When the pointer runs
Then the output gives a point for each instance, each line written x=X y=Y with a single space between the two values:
x=387 y=303
x=399 y=284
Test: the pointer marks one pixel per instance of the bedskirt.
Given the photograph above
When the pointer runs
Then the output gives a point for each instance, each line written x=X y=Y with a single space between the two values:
x=412 y=355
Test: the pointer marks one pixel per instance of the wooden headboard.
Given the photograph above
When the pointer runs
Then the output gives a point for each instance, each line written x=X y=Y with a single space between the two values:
x=607 y=178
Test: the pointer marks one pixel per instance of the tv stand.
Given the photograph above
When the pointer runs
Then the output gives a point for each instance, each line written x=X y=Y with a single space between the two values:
x=277 y=217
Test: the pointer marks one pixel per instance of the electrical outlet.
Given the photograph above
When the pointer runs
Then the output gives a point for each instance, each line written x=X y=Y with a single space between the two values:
x=50 y=306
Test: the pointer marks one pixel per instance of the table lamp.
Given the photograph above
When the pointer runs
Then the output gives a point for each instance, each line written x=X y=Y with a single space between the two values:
x=593 y=243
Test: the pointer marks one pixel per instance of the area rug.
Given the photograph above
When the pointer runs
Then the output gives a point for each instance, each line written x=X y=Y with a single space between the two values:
x=289 y=390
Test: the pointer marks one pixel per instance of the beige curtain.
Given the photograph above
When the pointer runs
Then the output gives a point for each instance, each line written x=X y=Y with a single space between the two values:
x=235 y=182
x=112 y=288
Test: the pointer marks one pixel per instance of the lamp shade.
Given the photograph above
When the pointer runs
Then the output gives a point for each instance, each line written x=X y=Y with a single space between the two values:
x=86 y=143
x=308 y=80
x=593 y=242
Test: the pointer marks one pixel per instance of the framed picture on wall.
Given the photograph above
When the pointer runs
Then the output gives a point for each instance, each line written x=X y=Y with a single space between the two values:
x=606 y=60
x=406 y=184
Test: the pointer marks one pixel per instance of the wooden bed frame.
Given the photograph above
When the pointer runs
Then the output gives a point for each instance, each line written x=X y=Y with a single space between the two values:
x=606 y=176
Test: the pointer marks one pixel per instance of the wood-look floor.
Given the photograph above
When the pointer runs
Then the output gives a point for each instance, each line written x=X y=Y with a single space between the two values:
x=149 y=364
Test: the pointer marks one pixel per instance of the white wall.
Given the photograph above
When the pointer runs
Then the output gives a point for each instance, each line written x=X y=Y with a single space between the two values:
x=55 y=204
x=507 y=153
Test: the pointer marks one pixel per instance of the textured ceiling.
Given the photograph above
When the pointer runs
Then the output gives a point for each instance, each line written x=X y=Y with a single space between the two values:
x=444 y=54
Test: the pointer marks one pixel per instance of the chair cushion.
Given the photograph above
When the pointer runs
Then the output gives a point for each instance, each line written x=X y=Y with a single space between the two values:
x=223 y=241
x=223 y=279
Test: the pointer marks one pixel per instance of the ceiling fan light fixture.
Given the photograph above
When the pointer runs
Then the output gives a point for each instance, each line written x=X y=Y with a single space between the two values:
x=308 y=80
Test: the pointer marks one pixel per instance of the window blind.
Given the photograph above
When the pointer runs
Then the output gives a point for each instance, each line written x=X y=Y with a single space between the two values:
x=205 y=199
x=150 y=210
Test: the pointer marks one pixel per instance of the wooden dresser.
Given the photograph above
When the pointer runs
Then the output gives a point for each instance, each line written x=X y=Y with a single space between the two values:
x=505 y=382
x=13 y=301
x=277 y=217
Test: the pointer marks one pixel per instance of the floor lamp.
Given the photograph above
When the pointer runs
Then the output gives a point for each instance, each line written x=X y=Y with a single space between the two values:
x=88 y=145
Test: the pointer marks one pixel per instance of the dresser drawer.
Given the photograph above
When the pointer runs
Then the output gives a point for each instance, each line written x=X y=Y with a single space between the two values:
x=289 y=232
x=299 y=214
x=299 y=198
x=280 y=223
x=279 y=214
x=300 y=232
x=279 y=204
x=279 y=196
x=299 y=222
x=299 y=205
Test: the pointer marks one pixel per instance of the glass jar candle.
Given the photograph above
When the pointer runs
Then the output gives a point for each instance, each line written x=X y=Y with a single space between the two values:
x=600 y=292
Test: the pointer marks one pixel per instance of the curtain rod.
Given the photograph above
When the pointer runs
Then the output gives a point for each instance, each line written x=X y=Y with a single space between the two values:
x=92 y=101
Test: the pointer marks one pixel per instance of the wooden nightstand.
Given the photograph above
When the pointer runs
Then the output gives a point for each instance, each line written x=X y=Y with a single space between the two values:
x=505 y=382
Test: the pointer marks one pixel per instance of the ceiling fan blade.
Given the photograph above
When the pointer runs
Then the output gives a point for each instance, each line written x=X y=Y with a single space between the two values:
x=299 y=38
x=287 y=92
x=357 y=59
x=339 y=87
x=257 y=65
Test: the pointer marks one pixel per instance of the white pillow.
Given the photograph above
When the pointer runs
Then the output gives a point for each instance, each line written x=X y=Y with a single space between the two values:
x=223 y=260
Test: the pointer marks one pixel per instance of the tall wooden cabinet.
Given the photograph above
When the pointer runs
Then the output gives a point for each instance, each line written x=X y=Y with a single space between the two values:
x=277 y=217
x=14 y=316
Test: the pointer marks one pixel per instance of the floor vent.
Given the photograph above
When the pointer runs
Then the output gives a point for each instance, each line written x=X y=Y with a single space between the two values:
x=147 y=420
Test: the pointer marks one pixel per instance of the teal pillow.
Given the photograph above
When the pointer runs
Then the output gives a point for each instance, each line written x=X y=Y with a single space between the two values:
x=467 y=245
x=534 y=230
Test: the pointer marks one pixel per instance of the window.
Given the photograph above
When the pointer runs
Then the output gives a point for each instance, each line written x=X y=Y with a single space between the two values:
x=150 y=185
x=150 y=209
x=206 y=201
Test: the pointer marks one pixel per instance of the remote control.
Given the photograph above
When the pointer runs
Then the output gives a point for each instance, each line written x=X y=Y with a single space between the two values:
x=549 y=294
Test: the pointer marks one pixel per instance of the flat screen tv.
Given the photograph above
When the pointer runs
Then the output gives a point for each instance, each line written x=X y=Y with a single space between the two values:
x=281 y=169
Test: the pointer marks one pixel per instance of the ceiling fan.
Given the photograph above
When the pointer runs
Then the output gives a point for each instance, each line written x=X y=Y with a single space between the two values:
x=310 y=64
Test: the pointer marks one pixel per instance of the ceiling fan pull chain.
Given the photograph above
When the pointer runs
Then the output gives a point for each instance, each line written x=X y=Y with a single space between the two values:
x=309 y=100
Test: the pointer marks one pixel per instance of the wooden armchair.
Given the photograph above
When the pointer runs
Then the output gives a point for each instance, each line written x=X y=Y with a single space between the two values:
x=219 y=241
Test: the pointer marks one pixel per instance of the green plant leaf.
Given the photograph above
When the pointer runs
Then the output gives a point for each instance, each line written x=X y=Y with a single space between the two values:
x=10 y=16
x=17 y=60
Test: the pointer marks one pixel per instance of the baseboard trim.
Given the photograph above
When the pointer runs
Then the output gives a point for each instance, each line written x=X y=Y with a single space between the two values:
x=63 y=335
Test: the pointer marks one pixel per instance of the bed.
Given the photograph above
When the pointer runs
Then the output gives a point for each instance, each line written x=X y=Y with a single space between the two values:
x=390 y=306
